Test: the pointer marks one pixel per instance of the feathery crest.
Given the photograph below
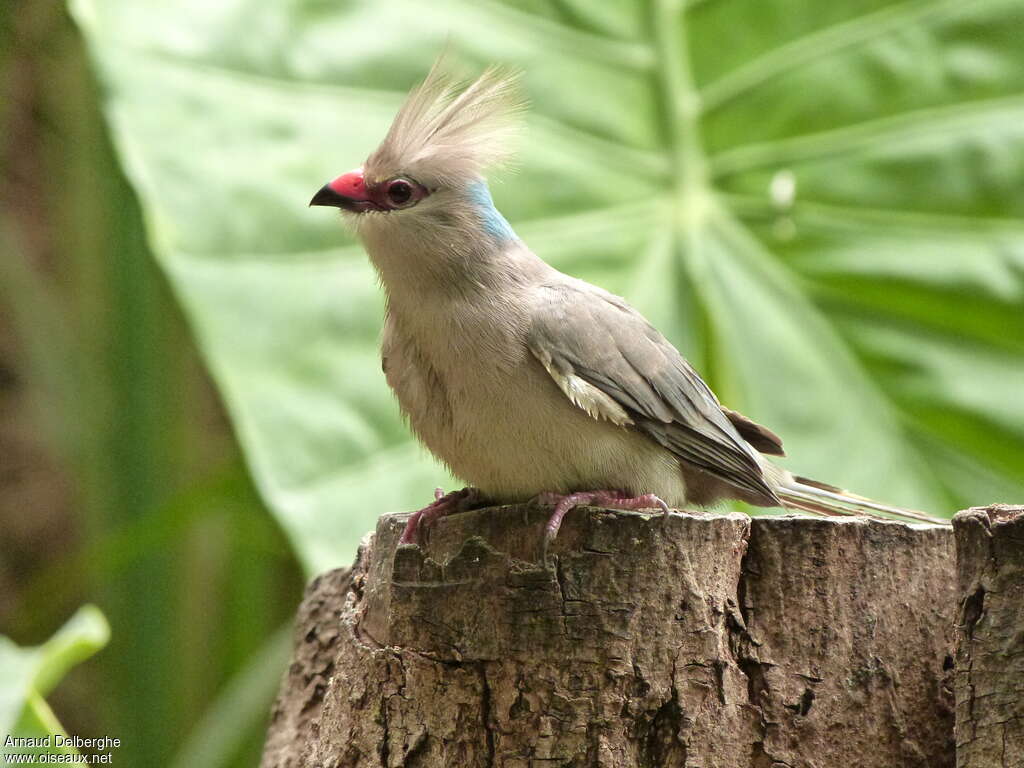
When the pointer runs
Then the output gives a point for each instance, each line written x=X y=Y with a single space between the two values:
x=450 y=135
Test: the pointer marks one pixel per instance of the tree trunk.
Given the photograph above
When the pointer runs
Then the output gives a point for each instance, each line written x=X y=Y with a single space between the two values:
x=990 y=638
x=694 y=641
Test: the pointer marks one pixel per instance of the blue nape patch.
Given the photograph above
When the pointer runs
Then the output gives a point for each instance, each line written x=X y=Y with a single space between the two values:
x=493 y=222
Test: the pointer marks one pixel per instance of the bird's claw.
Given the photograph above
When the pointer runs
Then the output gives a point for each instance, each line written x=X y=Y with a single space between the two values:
x=565 y=503
x=443 y=504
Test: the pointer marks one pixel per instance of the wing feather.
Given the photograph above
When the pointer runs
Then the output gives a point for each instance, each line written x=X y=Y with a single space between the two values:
x=611 y=362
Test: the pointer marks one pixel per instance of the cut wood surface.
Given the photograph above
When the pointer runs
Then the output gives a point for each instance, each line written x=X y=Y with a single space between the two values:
x=712 y=641
x=990 y=637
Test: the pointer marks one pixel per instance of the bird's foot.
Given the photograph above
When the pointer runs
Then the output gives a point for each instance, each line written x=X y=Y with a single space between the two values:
x=564 y=503
x=444 y=504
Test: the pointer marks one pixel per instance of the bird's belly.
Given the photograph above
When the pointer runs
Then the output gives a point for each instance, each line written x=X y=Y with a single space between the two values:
x=516 y=435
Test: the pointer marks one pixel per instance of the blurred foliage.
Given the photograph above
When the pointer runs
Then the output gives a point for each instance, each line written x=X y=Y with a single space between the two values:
x=819 y=203
x=28 y=674
x=133 y=495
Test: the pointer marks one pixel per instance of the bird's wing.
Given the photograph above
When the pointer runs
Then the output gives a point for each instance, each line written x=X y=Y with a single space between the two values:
x=756 y=434
x=613 y=364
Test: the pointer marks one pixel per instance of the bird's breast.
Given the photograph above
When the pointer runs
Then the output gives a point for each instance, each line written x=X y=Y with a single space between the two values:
x=483 y=404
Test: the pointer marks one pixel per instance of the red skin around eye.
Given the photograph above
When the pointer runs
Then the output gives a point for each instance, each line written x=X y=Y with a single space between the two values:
x=352 y=186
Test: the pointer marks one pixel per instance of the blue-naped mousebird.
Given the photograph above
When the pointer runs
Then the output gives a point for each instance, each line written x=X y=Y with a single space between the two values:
x=526 y=382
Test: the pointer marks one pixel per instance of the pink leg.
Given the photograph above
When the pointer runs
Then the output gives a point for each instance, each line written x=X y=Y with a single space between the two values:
x=615 y=499
x=444 y=504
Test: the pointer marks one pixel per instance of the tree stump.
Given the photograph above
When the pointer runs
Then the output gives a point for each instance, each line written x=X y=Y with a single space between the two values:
x=990 y=637
x=712 y=641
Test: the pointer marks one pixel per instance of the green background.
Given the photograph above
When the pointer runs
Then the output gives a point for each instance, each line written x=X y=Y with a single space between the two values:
x=820 y=204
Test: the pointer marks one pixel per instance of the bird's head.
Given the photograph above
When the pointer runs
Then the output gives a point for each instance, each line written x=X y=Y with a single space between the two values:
x=426 y=177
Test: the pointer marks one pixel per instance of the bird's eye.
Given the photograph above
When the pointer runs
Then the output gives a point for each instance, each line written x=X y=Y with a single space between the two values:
x=400 y=192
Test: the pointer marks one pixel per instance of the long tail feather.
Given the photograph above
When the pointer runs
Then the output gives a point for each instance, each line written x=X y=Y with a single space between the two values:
x=822 y=499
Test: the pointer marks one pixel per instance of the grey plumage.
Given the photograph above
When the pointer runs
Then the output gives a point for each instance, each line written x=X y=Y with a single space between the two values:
x=587 y=333
x=522 y=379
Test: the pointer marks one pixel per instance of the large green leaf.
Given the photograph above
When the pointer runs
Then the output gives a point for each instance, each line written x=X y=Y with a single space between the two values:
x=820 y=203
x=28 y=674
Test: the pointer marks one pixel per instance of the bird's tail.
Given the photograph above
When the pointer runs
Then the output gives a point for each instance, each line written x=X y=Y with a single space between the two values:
x=823 y=499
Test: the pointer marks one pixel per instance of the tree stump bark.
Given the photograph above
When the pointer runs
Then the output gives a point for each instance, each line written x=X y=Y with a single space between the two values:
x=990 y=637
x=718 y=641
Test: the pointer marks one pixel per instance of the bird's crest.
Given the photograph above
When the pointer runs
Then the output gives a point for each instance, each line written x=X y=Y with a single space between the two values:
x=450 y=134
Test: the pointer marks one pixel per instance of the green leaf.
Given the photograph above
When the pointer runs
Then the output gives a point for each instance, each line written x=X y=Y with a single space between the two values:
x=819 y=203
x=243 y=703
x=28 y=674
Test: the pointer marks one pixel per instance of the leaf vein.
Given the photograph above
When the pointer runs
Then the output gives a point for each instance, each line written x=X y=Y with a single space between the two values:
x=879 y=134
x=825 y=42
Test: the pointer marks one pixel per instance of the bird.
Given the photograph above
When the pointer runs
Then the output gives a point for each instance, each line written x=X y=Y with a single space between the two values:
x=528 y=383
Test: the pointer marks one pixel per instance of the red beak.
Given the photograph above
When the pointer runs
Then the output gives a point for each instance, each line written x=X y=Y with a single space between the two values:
x=348 y=191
